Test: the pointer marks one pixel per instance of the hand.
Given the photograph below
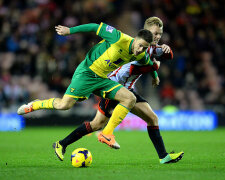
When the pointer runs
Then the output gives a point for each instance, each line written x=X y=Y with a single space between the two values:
x=62 y=30
x=155 y=82
x=157 y=62
x=165 y=48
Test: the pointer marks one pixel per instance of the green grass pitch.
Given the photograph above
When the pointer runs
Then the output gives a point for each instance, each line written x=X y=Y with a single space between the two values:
x=28 y=154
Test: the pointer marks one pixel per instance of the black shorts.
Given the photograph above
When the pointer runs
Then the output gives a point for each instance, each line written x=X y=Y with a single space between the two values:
x=105 y=106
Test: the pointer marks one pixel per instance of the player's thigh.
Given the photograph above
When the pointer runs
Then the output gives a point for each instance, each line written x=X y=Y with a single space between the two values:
x=114 y=91
x=82 y=86
x=99 y=121
x=107 y=88
x=145 y=112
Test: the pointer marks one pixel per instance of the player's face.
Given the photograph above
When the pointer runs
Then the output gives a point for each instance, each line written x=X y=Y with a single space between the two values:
x=139 y=46
x=156 y=32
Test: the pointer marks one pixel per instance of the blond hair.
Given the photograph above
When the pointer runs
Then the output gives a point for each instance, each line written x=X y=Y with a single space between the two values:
x=153 y=21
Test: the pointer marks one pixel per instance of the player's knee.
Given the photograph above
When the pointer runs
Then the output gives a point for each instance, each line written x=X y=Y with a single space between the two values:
x=131 y=100
x=94 y=127
x=64 y=106
x=97 y=125
x=154 y=120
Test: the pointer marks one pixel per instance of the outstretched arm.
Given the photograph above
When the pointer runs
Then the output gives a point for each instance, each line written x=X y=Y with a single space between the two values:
x=63 y=30
x=103 y=30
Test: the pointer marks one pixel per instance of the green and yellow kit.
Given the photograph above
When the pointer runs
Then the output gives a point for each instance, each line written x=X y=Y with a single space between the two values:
x=106 y=56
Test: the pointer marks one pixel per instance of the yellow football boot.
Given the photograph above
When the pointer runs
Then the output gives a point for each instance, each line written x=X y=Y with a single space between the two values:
x=172 y=158
x=59 y=150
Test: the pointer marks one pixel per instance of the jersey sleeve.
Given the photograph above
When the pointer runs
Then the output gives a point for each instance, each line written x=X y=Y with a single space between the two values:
x=136 y=70
x=84 y=28
x=108 y=33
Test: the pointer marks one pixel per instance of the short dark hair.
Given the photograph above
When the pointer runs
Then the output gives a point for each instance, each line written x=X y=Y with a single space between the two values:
x=146 y=35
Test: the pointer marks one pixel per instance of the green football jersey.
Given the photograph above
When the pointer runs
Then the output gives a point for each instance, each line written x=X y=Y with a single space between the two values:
x=112 y=52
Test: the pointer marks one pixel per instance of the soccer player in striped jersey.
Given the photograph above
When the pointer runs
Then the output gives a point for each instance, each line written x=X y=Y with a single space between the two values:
x=115 y=50
x=127 y=75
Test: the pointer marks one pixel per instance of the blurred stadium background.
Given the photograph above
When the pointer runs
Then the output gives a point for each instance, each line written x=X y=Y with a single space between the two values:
x=35 y=62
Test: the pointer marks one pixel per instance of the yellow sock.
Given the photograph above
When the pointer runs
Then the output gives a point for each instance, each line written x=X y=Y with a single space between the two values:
x=118 y=115
x=43 y=104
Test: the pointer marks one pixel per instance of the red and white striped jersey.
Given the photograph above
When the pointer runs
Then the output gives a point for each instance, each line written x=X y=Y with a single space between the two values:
x=128 y=74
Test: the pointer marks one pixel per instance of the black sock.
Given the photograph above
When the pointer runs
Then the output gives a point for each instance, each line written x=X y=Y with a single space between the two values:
x=78 y=133
x=156 y=138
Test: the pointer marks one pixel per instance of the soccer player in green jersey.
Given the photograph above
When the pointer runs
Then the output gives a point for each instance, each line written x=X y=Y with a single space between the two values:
x=115 y=50
x=126 y=74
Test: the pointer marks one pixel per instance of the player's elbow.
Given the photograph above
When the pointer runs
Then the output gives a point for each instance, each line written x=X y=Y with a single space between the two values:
x=171 y=54
x=156 y=66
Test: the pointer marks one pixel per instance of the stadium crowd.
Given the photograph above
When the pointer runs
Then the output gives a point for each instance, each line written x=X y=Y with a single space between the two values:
x=35 y=62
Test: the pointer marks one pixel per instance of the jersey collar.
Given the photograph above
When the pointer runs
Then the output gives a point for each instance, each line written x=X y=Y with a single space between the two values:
x=130 y=46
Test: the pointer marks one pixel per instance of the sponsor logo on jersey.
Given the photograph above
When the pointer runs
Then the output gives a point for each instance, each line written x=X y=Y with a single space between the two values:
x=109 y=28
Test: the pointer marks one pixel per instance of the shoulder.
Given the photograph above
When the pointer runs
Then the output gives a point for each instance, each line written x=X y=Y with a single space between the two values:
x=108 y=33
x=124 y=39
x=105 y=28
x=125 y=36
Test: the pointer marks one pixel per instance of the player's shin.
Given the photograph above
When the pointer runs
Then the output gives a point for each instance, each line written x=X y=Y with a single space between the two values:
x=118 y=115
x=156 y=138
x=43 y=104
x=78 y=133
